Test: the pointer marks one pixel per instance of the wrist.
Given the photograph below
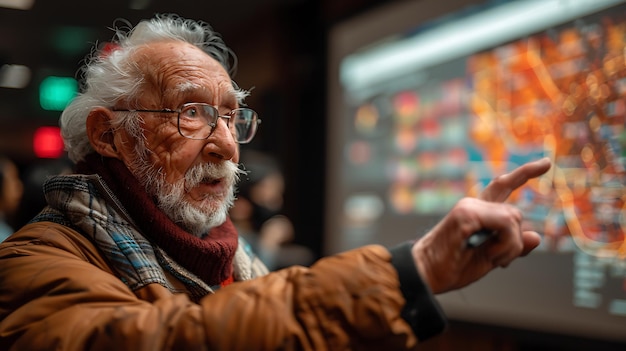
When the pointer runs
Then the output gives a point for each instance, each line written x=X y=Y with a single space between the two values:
x=420 y=254
x=422 y=311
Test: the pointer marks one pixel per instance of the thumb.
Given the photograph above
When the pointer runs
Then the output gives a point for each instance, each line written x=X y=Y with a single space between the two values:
x=530 y=240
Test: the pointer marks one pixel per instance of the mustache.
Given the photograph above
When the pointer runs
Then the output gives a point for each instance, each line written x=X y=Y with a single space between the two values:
x=226 y=171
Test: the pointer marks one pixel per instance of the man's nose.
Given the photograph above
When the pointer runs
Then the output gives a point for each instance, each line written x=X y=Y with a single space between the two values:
x=221 y=142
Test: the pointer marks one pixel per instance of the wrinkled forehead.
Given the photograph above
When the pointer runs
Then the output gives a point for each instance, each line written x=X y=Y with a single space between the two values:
x=171 y=52
x=174 y=68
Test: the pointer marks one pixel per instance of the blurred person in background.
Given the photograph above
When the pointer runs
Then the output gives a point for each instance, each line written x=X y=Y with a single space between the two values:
x=33 y=177
x=258 y=213
x=11 y=190
x=135 y=250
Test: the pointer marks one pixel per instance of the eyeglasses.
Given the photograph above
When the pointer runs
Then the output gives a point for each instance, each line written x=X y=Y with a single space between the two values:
x=198 y=121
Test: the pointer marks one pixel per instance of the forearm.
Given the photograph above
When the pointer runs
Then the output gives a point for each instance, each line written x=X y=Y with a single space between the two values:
x=347 y=301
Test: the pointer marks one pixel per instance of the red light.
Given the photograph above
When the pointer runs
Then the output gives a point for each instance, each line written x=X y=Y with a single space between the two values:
x=47 y=142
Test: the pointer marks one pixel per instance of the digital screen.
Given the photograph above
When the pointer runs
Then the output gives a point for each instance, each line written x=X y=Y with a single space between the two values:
x=426 y=115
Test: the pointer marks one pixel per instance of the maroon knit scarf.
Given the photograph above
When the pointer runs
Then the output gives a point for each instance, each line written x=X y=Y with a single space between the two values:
x=210 y=258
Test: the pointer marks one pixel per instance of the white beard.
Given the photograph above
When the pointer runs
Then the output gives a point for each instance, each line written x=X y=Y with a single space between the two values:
x=197 y=220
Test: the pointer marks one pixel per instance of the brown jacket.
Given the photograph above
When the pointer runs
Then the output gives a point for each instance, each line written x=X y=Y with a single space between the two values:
x=58 y=293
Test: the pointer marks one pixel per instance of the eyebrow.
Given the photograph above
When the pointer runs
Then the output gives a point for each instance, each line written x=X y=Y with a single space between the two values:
x=230 y=97
x=187 y=86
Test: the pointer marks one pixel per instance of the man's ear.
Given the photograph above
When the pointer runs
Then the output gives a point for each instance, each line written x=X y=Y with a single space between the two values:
x=100 y=132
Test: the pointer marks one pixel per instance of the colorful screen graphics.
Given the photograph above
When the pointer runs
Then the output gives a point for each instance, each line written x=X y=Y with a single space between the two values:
x=415 y=139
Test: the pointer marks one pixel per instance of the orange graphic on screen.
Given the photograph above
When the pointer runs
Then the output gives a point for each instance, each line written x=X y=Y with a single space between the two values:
x=562 y=93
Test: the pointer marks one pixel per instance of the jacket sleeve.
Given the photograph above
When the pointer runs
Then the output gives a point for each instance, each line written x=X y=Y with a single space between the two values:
x=59 y=294
x=421 y=310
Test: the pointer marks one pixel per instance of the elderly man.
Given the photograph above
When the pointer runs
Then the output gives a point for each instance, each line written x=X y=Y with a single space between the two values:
x=136 y=251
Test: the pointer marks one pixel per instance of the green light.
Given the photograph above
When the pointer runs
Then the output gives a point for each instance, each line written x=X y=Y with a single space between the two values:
x=56 y=92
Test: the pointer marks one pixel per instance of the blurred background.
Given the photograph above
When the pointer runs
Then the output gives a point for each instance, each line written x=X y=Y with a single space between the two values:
x=335 y=117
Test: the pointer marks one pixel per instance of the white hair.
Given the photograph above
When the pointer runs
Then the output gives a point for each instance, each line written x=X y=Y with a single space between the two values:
x=109 y=76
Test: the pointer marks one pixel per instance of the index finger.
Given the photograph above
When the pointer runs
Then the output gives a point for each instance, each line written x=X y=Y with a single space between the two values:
x=502 y=186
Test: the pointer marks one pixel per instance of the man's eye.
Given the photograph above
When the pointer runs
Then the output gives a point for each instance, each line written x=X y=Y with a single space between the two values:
x=191 y=112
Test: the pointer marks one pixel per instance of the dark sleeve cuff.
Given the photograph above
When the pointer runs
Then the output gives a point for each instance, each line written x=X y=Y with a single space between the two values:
x=422 y=310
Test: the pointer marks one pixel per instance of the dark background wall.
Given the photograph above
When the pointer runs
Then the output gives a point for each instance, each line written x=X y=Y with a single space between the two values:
x=283 y=56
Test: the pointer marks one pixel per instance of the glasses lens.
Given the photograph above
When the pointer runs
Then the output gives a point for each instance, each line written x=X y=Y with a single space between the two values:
x=195 y=121
x=245 y=123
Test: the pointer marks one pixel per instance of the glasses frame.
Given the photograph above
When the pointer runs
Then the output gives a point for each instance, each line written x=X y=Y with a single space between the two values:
x=212 y=125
